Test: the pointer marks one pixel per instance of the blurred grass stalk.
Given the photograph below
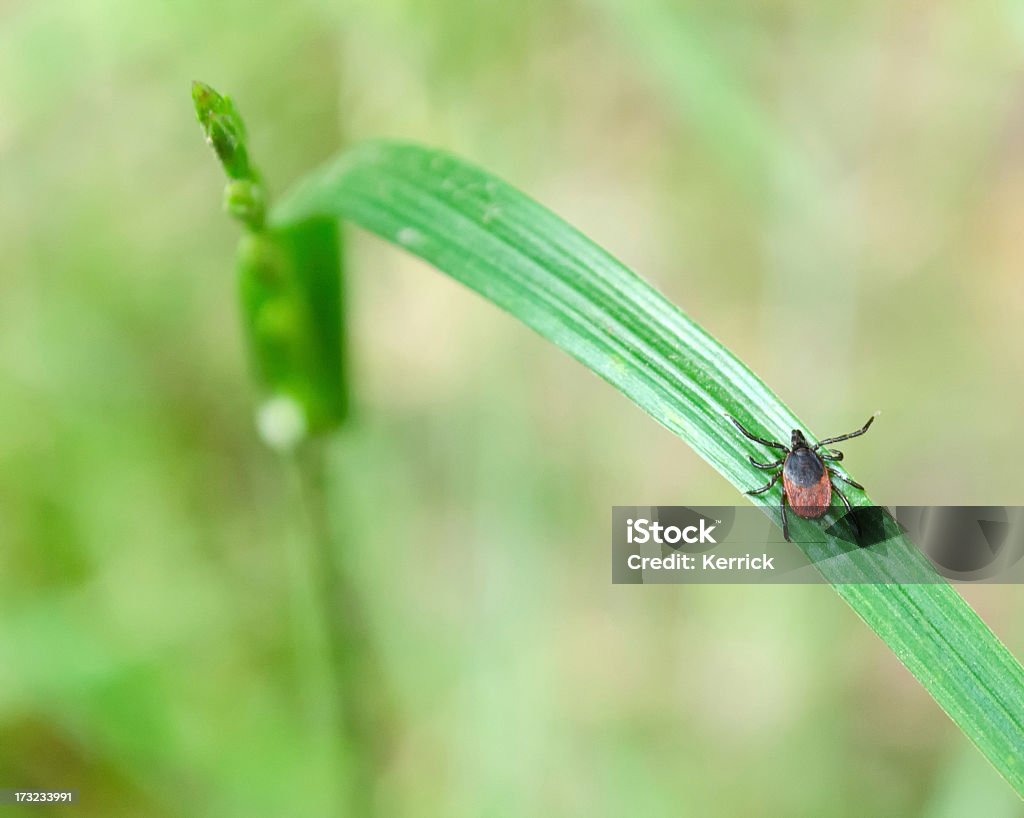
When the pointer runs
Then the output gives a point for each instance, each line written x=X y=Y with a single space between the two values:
x=356 y=704
x=291 y=304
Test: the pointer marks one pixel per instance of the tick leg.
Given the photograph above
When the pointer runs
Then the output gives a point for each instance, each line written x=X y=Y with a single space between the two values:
x=847 y=480
x=771 y=443
x=834 y=457
x=763 y=489
x=766 y=466
x=785 y=519
x=858 y=433
x=849 y=511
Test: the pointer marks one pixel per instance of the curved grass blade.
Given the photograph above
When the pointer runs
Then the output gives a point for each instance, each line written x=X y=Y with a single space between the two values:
x=517 y=254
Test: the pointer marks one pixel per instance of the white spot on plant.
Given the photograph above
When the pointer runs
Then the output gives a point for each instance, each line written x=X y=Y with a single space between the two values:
x=281 y=423
x=409 y=237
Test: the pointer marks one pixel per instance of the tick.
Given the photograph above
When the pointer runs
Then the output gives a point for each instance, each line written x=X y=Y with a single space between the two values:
x=807 y=485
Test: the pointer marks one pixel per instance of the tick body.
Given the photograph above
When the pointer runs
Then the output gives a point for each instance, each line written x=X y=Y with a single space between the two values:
x=807 y=485
x=805 y=482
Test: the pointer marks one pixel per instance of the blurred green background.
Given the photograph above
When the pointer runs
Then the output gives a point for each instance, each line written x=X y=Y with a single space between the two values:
x=835 y=191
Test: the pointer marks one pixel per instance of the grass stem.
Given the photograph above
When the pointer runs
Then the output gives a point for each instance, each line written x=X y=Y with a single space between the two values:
x=357 y=705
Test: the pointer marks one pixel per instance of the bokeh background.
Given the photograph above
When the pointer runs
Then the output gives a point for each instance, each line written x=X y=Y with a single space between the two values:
x=836 y=191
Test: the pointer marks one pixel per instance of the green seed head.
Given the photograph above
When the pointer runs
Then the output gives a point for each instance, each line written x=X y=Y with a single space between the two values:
x=244 y=196
x=224 y=130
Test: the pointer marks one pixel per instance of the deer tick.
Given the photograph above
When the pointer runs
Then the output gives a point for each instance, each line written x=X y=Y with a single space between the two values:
x=807 y=485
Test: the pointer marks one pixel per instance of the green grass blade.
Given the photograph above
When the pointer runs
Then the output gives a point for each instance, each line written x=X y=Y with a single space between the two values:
x=529 y=262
